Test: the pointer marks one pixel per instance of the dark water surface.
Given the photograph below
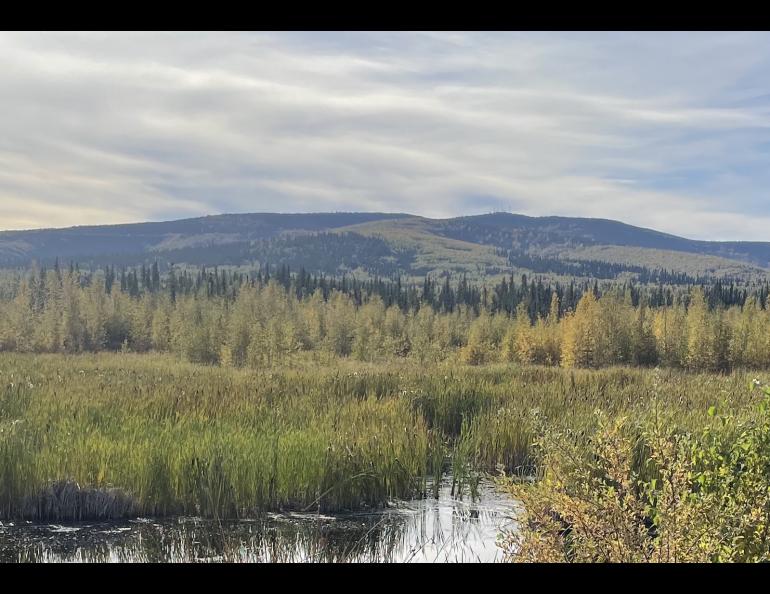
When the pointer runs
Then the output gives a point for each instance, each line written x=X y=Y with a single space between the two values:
x=446 y=529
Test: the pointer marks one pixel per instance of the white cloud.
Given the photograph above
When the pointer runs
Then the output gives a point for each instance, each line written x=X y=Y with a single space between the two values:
x=663 y=130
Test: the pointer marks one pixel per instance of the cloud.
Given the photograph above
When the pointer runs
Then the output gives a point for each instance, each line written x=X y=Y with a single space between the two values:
x=665 y=130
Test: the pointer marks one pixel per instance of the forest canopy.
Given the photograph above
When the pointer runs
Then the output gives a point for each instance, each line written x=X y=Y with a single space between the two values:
x=231 y=318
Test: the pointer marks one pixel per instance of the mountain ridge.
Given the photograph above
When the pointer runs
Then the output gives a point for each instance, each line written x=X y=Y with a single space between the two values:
x=378 y=242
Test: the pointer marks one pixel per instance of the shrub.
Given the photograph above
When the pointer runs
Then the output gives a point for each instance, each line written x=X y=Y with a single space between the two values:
x=649 y=493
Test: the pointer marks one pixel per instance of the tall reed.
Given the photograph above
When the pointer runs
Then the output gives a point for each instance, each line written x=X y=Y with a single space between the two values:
x=151 y=435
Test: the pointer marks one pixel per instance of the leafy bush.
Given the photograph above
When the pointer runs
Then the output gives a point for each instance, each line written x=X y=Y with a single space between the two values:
x=649 y=493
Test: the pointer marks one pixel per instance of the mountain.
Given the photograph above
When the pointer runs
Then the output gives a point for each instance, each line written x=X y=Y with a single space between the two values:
x=386 y=244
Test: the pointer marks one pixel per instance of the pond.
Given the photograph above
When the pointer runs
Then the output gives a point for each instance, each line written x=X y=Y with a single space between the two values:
x=443 y=529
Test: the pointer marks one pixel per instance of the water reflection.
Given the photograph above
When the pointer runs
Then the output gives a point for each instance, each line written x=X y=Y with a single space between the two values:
x=424 y=530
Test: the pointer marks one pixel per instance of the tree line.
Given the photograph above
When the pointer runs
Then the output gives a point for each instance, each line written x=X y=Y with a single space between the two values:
x=231 y=318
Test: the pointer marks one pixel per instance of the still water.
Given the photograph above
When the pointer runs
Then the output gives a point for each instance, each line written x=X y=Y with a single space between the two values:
x=447 y=529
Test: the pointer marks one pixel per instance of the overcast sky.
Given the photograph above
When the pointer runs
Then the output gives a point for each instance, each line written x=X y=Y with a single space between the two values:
x=662 y=130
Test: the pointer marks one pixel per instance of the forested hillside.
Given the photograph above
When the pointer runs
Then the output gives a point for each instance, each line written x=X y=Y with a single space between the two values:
x=484 y=247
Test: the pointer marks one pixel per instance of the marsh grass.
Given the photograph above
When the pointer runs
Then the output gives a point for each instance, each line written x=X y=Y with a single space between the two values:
x=151 y=435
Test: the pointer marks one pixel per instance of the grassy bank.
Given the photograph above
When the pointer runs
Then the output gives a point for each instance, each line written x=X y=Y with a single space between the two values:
x=155 y=436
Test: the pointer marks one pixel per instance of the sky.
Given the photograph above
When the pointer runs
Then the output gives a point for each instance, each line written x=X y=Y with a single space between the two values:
x=657 y=129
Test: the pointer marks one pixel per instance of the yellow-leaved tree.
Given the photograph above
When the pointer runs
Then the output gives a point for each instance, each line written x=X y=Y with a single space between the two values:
x=579 y=338
x=700 y=344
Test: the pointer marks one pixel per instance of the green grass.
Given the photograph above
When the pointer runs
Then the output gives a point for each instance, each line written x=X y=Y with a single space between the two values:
x=179 y=438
